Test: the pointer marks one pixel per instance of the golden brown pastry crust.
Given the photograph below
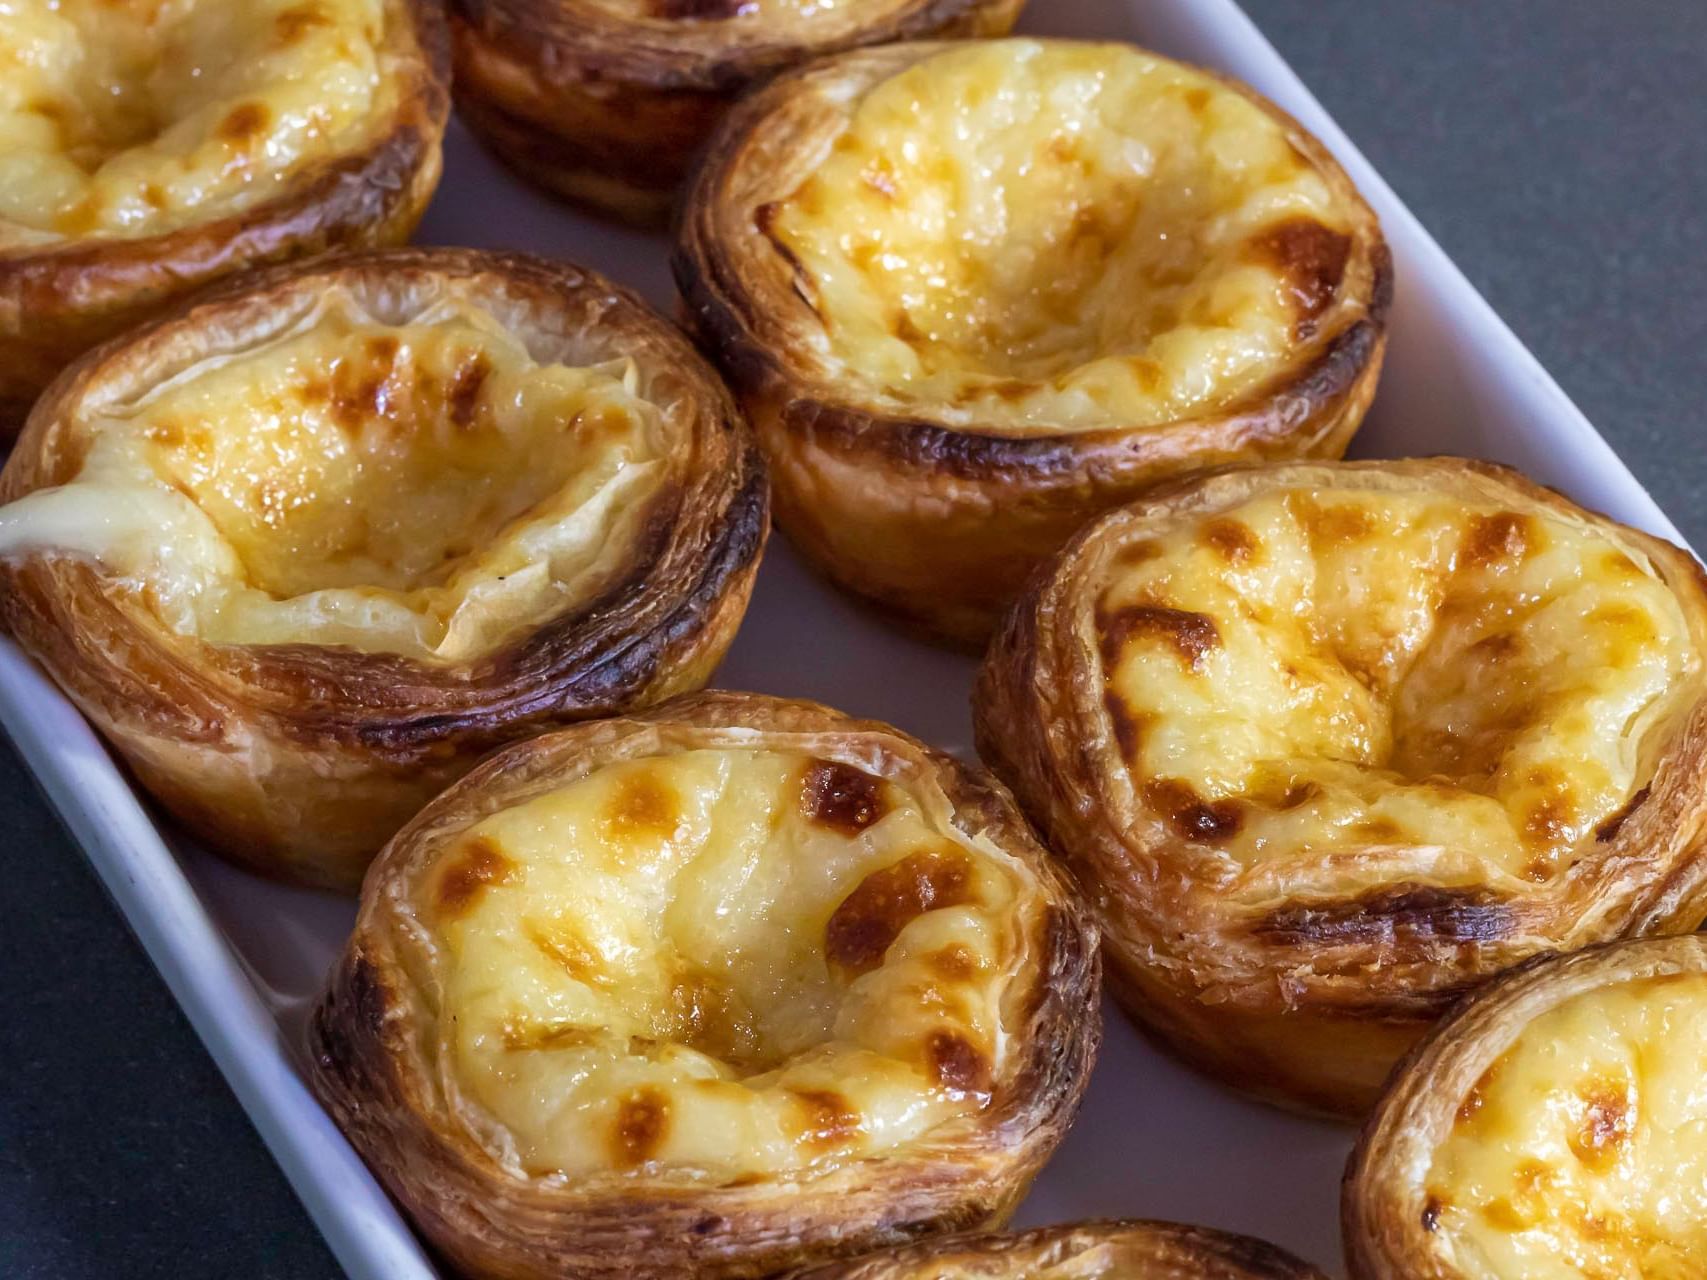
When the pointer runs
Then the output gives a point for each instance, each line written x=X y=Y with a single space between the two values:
x=609 y=111
x=1385 y=1210
x=57 y=301
x=937 y=523
x=1303 y=999
x=367 y=1062
x=300 y=760
x=1119 y=1249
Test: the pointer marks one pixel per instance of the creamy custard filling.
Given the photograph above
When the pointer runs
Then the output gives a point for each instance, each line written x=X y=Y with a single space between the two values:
x=722 y=962
x=1055 y=236
x=1305 y=674
x=134 y=117
x=423 y=488
x=1583 y=1150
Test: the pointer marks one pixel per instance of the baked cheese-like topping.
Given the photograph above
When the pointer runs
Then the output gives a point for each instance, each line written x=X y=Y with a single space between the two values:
x=1481 y=691
x=1583 y=1150
x=1060 y=236
x=423 y=488
x=723 y=963
x=134 y=117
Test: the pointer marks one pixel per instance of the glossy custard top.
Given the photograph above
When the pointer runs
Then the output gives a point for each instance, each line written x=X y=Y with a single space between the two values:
x=1477 y=691
x=722 y=963
x=123 y=118
x=1583 y=1150
x=1051 y=236
x=423 y=488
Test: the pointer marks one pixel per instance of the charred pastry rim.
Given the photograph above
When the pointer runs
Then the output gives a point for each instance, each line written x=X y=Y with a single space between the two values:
x=1392 y=1222
x=299 y=759
x=1303 y=980
x=59 y=299
x=937 y=511
x=376 y=1064
x=1121 y=1249
x=609 y=110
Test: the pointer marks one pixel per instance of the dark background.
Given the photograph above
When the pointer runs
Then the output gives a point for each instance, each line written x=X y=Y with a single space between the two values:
x=1558 y=150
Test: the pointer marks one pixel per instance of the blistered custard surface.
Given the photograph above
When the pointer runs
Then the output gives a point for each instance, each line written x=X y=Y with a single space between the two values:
x=722 y=962
x=134 y=117
x=1481 y=690
x=1583 y=1150
x=423 y=488
x=1062 y=236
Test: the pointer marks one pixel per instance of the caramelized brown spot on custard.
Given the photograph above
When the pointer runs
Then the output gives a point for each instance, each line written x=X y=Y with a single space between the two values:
x=297 y=21
x=1503 y=538
x=1189 y=814
x=706 y=1014
x=477 y=863
x=955 y=962
x=863 y=928
x=1136 y=553
x=1379 y=830
x=1335 y=524
x=1474 y=1100
x=840 y=797
x=1196 y=99
x=1606 y=1124
x=523 y=1036
x=827 y=1119
x=957 y=1063
x=1231 y=540
x=1547 y=822
x=642 y=1122
x=243 y=124
x=562 y=944
x=462 y=397
x=1191 y=635
x=1608 y=830
x=1431 y=1213
x=642 y=807
x=1309 y=257
x=1128 y=726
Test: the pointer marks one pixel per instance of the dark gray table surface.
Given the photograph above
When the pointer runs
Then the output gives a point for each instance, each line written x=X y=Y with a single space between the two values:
x=1557 y=148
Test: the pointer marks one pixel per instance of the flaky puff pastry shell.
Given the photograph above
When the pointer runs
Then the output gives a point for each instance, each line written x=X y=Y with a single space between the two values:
x=306 y=549
x=607 y=102
x=973 y=295
x=727 y=987
x=1553 y=1128
x=1328 y=746
x=1121 y=1249
x=153 y=149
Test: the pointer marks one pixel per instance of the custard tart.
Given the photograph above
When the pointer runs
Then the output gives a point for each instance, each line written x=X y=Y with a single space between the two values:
x=148 y=147
x=1328 y=745
x=307 y=548
x=717 y=989
x=1555 y=1128
x=973 y=295
x=1113 y=1250
x=607 y=102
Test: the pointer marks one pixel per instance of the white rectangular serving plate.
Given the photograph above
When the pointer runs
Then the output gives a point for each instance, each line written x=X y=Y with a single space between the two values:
x=245 y=958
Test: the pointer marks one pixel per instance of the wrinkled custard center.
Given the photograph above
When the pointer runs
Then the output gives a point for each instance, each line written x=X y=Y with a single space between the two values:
x=1582 y=1153
x=133 y=117
x=1061 y=236
x=1310 y=673
x=423 y=488
x=723 y=962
